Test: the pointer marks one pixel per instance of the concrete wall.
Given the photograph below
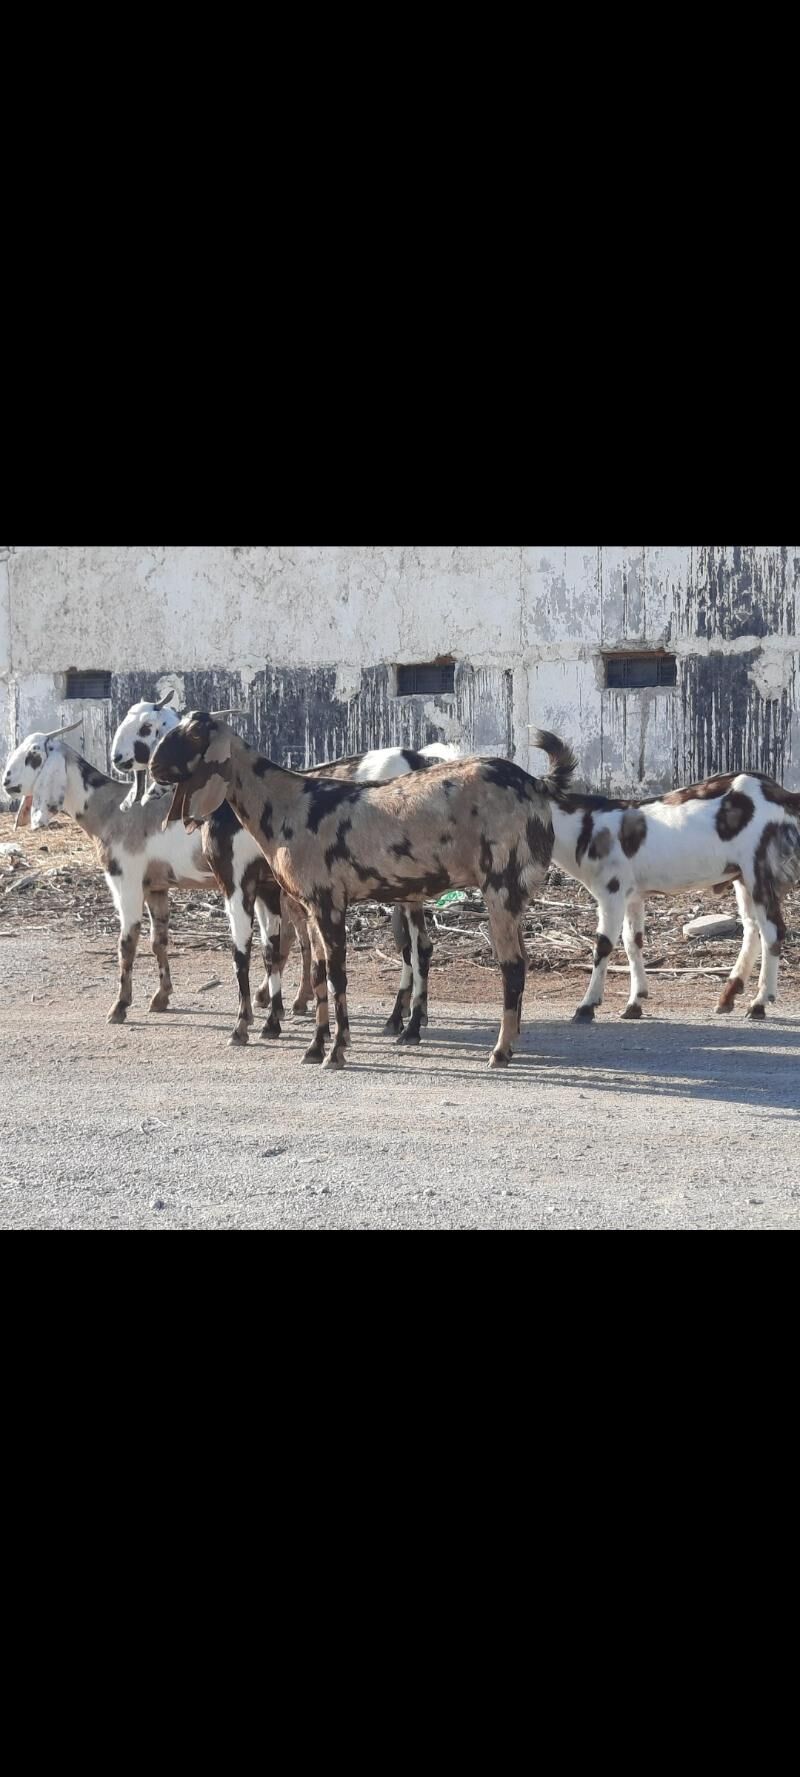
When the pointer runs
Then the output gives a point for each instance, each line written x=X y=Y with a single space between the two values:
x=308 y=637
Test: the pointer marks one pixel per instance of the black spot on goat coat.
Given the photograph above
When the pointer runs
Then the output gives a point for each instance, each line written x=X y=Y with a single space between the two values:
x=357 y=842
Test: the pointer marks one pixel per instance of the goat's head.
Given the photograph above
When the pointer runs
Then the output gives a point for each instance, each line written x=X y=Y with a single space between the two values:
x=195 y=760
x=138 y=736
x=37 y=774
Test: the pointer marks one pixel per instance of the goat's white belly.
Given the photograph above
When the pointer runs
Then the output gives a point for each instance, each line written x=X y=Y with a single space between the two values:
x=180 y=854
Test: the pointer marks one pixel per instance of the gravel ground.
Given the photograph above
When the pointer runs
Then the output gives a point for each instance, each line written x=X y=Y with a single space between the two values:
x=683 y=1121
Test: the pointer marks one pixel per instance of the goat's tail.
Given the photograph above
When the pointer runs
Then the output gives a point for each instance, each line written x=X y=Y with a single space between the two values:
x=563 y=763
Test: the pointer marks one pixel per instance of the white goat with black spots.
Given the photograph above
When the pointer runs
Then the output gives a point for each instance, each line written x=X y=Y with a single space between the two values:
x=742 y=829
x=480 y=823
x=141 y=861
x=249 y=888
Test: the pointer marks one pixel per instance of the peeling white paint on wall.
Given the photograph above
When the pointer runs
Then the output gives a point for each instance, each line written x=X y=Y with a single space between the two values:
x=527 y=625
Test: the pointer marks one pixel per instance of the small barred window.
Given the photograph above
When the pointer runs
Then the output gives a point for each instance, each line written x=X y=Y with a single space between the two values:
x=636 y=672
x=86 y=686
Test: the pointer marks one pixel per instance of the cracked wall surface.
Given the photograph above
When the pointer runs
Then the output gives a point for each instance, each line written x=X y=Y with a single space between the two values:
x=307 y=639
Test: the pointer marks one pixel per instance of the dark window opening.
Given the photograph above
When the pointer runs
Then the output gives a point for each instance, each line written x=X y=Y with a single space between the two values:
x=635 y=672
x=426 y=681
x=85 y=686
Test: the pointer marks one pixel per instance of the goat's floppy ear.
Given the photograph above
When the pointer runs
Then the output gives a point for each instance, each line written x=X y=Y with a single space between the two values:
x=135 y=793
x=203 y=800
x=50 y=788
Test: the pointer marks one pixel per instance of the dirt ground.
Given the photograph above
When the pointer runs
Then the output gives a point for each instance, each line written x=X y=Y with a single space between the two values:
x=683 y=1121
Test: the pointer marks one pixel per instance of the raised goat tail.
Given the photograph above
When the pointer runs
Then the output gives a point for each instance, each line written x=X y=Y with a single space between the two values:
x=563 y=763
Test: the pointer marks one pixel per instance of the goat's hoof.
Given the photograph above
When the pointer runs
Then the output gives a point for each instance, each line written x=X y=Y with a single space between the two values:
x=392 y=1027
x=238 y=1038
x=271 y=1032
x=756 y=1012
x=411 y=1037
x=335 y=1059
x=724 y=1009
x=500 y=1059
x=313 y=1058
x=159 y=1003
x=634 y=1011
x=584 y=1015
x=118 y=1015
x=301 y=1009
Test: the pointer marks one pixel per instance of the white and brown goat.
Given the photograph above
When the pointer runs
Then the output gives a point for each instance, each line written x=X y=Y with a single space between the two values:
x=481 y=823
x=742 y=829
x=140 y=861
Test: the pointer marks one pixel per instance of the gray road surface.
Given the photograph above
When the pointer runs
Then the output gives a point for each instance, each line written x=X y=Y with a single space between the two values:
x=674 y=1123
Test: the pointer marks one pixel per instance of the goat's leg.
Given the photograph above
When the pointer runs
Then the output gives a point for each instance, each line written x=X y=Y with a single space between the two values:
x=771 y=925
x=334 y=937
x=269 y=925
x=130 y=907
x=421 y=952
x=402 y=1005
x=745 y=963
x=319 y=980
x=158 y=908
x=239 y=908
x=305 y=992
x=633 y=939
x=274 y=934
x=510 y=952
x=609 y=932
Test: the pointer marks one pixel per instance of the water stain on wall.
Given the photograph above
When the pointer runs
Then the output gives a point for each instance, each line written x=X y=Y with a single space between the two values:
x=298 y=717
x=738 y=591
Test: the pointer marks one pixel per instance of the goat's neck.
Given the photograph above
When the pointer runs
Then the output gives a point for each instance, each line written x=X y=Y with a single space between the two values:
x=90 y=797
x=254 y=781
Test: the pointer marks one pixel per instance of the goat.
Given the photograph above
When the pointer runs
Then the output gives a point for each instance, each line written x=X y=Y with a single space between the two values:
x=240 y=871
x=242 y=874
x=741 y=830
x=141 y=862
x=482 y=823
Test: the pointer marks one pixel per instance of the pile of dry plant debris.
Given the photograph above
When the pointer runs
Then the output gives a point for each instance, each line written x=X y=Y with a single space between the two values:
x=51 y=880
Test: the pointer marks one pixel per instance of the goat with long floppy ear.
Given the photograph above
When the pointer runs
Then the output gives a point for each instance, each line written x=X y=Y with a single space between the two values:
x=208 y=784
x=137 y=794
x=51 y=785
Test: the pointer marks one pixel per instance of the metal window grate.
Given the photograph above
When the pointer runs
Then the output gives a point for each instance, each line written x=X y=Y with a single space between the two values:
x=635 y=672
x=426 y=681
x=85 y=686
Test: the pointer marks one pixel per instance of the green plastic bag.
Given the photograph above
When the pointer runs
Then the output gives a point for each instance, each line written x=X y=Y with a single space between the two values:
x=455 y=898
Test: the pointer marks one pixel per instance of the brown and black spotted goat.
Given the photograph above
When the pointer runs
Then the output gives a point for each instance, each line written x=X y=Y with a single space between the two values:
x=251 y=892
x=484 y=823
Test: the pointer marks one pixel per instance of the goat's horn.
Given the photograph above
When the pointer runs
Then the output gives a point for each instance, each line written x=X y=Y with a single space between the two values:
x=55 y=733
x=217 y=714
x=165 y=700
